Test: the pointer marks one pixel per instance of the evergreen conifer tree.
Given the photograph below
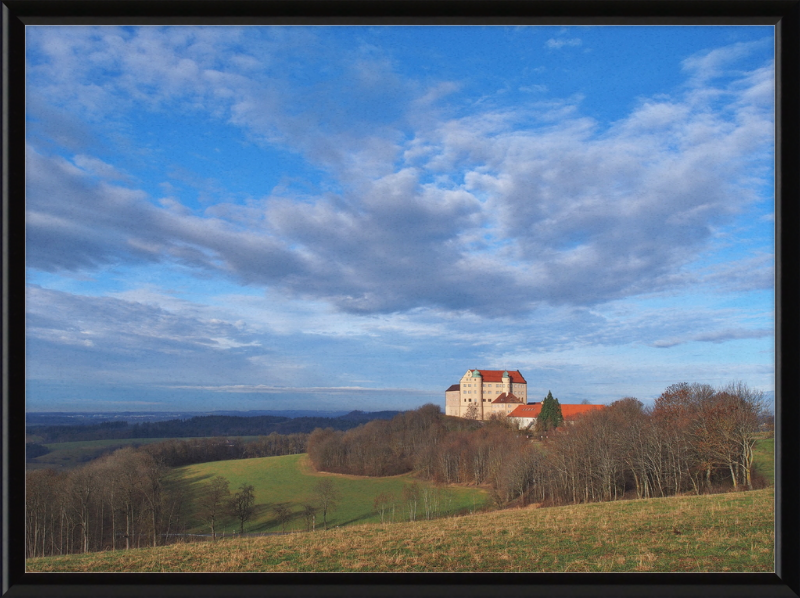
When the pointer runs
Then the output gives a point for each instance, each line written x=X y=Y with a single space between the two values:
x=550 y=415
x=545 y=413
x=558 y=418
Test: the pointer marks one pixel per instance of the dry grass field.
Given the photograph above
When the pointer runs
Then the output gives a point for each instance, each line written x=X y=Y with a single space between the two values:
x=710 y=533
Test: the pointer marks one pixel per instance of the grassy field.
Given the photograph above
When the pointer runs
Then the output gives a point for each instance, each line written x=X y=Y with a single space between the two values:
x=764 y=458
x=291 y=479
x=722 y=532
x=67 y=455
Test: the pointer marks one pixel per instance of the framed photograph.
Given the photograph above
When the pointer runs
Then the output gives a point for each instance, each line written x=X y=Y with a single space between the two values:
x=372 y=298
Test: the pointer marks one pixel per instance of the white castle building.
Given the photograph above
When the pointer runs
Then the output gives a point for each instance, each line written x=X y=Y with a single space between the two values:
x=483 y=393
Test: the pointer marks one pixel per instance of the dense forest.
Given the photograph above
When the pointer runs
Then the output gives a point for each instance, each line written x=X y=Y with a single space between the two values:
x=694 y=439
x=202 y=426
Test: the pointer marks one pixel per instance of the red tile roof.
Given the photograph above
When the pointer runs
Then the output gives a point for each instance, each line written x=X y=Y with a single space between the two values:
x=454 y=387
x=568 y=412
x=507 y=398
x=526 y=411
x=497 y=376
x=572 y=411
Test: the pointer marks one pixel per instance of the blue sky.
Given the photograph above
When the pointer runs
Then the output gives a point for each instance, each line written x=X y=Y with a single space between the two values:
x=352 y=217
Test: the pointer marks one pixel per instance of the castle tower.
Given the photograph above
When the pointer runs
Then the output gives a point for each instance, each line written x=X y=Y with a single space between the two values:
x=478 y=381
x=506 y=383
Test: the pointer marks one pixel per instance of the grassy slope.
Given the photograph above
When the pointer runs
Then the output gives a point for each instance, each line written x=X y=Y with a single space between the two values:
x=764 y=458
x=723 y=532
x=291 y=479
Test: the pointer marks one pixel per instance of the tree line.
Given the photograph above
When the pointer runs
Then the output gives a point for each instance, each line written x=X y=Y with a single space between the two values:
x=695 y=438
x=206 y=425
x=383 y=447
x=118 y=501
x=126 y=499
x=177 y=453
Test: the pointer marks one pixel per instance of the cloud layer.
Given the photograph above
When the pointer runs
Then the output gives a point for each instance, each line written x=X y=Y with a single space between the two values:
x=495 y=212
x=249 y=210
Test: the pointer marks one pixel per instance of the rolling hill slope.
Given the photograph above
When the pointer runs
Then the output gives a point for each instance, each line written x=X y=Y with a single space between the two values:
x=291 y=479
x=722 y=532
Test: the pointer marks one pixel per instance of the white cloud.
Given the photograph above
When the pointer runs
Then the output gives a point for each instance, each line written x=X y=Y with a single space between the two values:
x=555 y=212
x=717 y=336
x=326 y=390
x=557 y=44
x=716 y=62
x=119 y=326
x=99 y=168
x=535 y=88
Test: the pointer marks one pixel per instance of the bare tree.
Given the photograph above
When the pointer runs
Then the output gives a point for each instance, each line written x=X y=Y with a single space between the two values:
x=326 y=450
x=283 y=513
x=212 y=502
x=523 y=474
x=432 y=500
x=44 y=505
x=242 y=504
x=382 y=503
x=743 y=408
x=150 y=482
x=310 y=516
x=411 y=497
x=328 y=497
x=83 y=486
x=125 y=477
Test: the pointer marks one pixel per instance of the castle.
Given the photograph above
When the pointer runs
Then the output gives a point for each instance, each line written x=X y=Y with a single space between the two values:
x=483 y=393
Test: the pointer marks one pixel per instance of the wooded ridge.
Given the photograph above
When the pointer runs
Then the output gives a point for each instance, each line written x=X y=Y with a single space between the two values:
x=202 y=426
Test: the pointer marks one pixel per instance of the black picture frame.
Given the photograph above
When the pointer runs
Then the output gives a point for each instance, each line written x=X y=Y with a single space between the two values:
x=783 y=14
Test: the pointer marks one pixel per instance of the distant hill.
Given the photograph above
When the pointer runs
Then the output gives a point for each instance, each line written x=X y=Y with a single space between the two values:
x=85 y=418
x=369 y=415
x=201 y=426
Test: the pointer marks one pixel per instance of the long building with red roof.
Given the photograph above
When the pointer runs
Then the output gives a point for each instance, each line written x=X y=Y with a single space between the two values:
x=483 y=393
x=526 y=415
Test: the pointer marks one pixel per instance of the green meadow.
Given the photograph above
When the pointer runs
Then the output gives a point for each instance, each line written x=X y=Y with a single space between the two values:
x=764 y=458
x=291 y=479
